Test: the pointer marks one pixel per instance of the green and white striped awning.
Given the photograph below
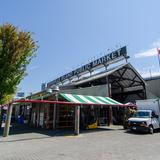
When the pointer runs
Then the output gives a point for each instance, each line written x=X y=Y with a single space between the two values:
x=89 y=99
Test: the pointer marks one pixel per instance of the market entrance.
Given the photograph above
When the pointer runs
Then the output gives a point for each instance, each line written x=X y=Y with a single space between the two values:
x=65 y=116
x=92 y=110
x=94 y=116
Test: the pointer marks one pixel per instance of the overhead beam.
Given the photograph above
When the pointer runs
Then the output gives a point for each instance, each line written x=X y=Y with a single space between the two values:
x=128 y=92
x=124 y=78
x=134 y=72
x=67 y=103
x=133 y=81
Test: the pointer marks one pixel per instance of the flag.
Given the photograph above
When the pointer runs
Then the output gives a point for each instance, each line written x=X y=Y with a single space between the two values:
x=158 y=50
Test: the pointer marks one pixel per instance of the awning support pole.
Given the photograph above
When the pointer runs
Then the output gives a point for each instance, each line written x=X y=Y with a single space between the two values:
x=110 y=116
x=77 y=120
x=54 y=111
x=54 y=116
x=8 y=121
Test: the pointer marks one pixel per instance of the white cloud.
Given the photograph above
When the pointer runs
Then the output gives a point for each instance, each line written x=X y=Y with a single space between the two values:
x=156 y=43
x=150 y=74
x=147 y=53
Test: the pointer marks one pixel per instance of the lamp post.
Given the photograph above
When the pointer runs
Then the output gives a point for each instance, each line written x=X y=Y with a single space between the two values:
x=55 y=90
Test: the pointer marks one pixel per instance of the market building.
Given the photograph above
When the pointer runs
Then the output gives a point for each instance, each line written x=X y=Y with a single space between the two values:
x=109 y=76
x=97 y=92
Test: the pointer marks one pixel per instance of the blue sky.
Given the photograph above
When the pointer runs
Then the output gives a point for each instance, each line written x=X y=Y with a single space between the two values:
x=71 y=32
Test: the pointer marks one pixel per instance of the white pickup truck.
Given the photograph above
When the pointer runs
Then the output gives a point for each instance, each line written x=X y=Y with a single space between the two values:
x=147 y=116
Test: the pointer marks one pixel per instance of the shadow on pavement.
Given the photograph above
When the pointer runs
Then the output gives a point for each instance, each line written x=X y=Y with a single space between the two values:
x=20 y=131
x=139 y=132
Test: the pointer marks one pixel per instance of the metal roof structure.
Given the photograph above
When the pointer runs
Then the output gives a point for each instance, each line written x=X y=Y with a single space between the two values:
x=124 y=82
x=124 y=75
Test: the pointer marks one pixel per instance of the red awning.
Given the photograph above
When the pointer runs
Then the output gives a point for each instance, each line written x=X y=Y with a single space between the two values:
x=69 y=103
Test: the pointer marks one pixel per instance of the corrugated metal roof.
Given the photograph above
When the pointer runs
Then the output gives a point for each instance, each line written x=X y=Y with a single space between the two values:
x=130 y=73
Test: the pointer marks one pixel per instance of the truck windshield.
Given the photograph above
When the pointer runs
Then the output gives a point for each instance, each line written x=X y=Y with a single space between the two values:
x=141 y=114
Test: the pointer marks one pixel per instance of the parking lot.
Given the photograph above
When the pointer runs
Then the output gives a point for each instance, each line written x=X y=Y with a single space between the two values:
x=111 y=143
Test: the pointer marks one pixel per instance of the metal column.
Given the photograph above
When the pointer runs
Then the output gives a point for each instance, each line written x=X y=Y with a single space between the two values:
x=109 y=87
x=54 y=111
x=54 y=117
x=77 y=120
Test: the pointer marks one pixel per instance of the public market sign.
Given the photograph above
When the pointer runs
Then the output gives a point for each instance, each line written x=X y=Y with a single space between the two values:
x=105 y=60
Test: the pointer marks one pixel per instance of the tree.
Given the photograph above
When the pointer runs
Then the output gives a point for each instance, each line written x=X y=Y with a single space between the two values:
x=17 y=48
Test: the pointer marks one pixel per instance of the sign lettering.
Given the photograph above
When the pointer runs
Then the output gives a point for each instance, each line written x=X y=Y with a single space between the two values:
x=122 y=52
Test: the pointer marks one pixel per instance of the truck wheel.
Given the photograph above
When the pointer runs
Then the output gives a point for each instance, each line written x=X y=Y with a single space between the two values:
x=150 y=129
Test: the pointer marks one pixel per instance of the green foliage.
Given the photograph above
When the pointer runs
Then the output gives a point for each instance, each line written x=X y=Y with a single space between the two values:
x=17 y=48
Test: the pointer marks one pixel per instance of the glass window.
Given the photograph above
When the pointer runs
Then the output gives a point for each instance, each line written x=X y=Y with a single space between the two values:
x=141 y=114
